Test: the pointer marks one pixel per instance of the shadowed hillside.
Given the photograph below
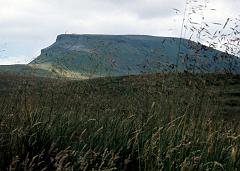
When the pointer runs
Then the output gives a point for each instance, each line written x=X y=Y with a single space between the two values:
x=26 y=70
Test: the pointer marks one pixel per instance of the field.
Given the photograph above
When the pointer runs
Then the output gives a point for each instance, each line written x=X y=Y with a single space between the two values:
x=149 y=122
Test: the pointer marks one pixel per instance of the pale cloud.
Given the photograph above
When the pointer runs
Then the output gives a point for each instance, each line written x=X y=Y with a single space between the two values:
x=26 y=26
x=14 y=60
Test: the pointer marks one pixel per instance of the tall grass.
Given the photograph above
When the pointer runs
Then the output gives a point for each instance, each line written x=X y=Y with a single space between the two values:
x=129 y=123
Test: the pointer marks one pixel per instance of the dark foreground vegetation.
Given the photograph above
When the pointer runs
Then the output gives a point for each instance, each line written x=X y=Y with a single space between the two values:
x=151 y=122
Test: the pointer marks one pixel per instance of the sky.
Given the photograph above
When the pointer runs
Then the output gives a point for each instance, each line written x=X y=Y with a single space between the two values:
x=27 y=26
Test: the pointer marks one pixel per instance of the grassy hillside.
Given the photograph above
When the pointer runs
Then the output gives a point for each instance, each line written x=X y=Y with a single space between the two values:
x=119 y=55
x=92 y=56
x=26 y=70
x=148 y=122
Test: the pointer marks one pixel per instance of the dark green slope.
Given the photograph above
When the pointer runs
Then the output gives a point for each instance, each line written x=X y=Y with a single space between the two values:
x=26 y=70
x=114 y=55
